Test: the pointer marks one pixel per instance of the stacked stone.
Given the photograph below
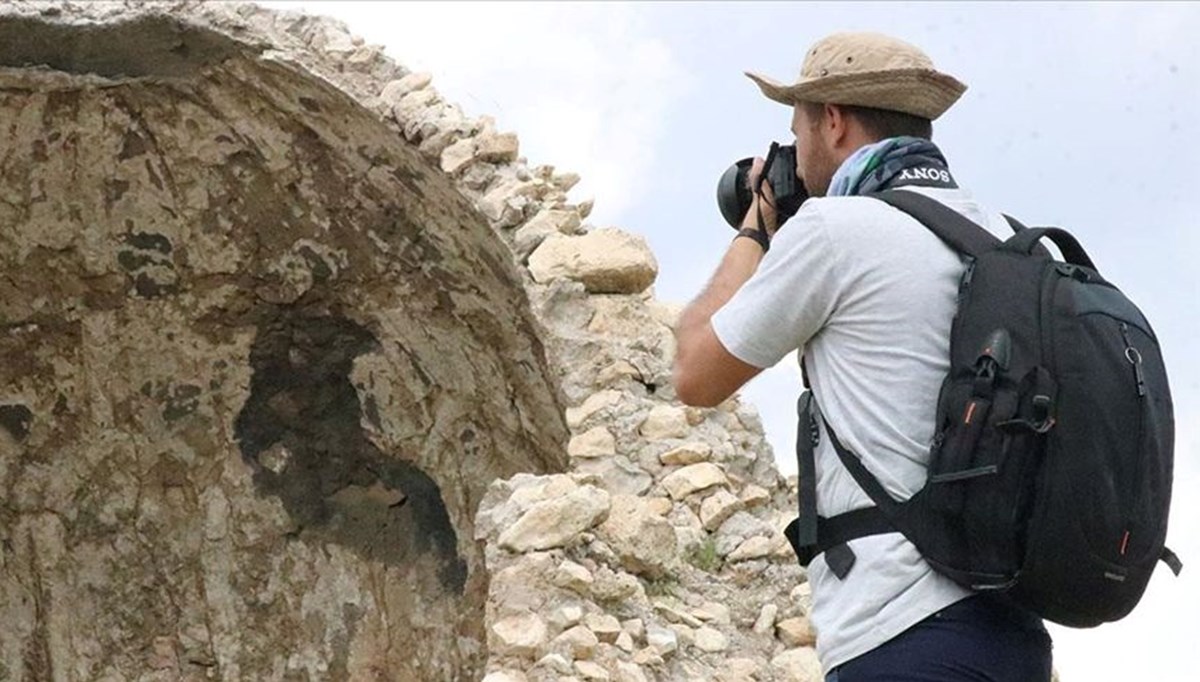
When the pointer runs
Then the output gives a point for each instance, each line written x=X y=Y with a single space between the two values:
x=659 y=556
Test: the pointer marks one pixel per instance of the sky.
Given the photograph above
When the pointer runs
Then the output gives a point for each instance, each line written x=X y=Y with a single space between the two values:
x=1081 y=115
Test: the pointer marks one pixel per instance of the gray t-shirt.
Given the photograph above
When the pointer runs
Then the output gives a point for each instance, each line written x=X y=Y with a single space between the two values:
x=867 y=295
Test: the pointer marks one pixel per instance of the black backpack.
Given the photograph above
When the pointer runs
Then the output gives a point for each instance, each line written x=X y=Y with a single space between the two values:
x=1050 y=471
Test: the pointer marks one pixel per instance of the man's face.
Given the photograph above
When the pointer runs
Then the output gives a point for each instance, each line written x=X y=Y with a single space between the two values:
x=815 y=161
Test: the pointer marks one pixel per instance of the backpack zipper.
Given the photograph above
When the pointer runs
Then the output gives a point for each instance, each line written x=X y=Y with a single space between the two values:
x=1134 y=356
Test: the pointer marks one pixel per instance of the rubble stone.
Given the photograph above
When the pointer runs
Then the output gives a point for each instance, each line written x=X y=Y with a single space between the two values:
x=694 y=478
x=765 y=624
x=794 y=632
x=711 y=640
x=663 y=640
x=688 y=453
x=556 y=522
x=643 y=540
x=717 y=508
x=577 y=642
x=592 y=671
x=605 y=626
x=497 y=148
x=797 y=665
x=665 y=421
x=595 y=442
x=605 y=261
x=518 y=635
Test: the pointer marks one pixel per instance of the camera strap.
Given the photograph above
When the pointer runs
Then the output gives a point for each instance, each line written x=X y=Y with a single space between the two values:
x=762 y=177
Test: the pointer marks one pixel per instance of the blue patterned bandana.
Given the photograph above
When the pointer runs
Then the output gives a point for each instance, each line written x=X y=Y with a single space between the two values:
x=890 y=163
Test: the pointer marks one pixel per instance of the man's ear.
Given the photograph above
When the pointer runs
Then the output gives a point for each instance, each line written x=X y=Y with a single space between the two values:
x=834 y=126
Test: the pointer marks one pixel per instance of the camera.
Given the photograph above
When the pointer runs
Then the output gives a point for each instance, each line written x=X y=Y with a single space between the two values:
x=734 y=192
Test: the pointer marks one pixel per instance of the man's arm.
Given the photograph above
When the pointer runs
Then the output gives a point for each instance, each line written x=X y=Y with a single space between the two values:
x=705 y=373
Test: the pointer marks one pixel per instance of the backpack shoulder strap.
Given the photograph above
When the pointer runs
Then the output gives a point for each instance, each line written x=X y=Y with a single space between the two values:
x=949 y=225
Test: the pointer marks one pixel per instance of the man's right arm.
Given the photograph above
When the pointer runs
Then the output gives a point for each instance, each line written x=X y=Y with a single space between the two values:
x=705 y=372
x=789 y=296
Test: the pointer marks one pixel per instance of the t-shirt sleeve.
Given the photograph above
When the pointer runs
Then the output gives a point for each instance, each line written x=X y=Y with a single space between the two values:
x=788 y=299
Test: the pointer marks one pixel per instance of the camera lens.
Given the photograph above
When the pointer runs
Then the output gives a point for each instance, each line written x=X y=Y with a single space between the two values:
x=733 y=192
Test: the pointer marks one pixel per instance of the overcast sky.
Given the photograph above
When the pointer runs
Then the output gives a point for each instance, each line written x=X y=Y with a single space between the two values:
x=1080 y=115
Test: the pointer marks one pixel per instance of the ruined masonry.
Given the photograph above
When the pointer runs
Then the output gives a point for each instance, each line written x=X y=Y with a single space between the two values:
x=308 y=375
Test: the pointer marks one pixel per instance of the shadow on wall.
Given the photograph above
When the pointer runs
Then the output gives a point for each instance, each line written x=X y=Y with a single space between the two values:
x=301 y=432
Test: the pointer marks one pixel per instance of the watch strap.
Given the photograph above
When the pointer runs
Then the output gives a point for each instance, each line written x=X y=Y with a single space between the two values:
x=757 y=235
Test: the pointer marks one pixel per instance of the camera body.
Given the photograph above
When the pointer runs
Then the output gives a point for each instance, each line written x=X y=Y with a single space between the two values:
x=734 y=193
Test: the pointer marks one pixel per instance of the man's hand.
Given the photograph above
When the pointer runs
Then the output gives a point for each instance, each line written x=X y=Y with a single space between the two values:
x=763 y=204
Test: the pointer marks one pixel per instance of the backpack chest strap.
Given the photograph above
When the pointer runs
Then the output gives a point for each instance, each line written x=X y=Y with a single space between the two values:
x=810 y=534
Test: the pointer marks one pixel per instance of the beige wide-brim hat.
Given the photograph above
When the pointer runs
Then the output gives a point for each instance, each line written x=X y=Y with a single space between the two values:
x=868 y=70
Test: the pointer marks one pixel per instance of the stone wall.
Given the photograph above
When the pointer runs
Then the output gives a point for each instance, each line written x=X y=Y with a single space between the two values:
x=310 y=375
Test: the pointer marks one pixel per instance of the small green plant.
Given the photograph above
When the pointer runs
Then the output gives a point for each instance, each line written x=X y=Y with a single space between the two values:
x=704 y=556
x=663 y=586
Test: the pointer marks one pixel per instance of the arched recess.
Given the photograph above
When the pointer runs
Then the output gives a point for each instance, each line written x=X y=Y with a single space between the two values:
x=260 y=361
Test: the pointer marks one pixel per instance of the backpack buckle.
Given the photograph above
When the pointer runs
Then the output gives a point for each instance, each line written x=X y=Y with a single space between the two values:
x=1041 y=422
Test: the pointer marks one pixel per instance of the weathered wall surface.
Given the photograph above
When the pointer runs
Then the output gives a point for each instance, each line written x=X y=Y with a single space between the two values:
x=261 y=360
x=293 y=352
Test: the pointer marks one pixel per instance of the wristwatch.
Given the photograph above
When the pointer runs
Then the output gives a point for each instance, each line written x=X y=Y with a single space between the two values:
x=757 y=235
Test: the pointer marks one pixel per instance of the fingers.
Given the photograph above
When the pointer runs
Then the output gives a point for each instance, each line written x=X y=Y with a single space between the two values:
x=756 y=170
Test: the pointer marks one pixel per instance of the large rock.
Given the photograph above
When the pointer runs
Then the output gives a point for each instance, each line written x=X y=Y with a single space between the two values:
x=710 y=640
x=664 y=640
x=797 y=665
x=717 y=508
x=617 y=474
x=605 y=261
x=520 y=636
x=253 y=338
x=605 y=626
x=666 y=421
x=595 y=442
x=573 y=576
x=530 y=235
x=497 y=147
x=594 y=404
x=456 y=157
x=394 y=91
x=643 y=540
x=694 y=478
x=688 y=453
x=757 y=547
x=794 y=632
x=557 y=522
x=577 y=642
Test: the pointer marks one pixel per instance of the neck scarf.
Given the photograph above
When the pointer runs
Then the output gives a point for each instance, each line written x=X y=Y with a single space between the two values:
x=890 y=163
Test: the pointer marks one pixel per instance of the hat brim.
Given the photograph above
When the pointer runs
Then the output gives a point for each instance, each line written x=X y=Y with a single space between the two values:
x=920 y=92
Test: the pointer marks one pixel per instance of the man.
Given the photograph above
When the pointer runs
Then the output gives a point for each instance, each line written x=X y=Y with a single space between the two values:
x=867 y=295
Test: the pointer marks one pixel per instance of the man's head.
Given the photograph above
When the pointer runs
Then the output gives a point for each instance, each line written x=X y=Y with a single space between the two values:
x=826 y=134
x=854 y=89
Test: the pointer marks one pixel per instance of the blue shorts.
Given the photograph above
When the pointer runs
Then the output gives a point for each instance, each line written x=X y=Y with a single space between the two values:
x=979 y=639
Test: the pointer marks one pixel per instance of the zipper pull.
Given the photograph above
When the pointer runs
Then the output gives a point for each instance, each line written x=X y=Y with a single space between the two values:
x=1135 y=358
